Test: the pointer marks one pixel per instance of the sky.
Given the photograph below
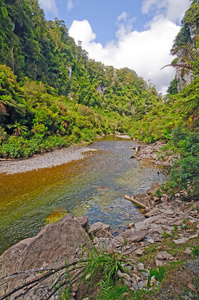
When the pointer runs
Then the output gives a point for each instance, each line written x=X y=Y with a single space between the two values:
x=124 y=33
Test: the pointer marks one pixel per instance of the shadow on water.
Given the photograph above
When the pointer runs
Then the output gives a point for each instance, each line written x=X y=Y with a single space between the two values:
x=93 y=186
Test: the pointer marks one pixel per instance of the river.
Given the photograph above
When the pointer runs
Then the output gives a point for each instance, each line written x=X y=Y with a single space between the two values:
x=93 y=186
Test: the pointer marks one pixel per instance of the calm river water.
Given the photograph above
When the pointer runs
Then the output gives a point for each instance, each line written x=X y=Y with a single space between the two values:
x=93 y=186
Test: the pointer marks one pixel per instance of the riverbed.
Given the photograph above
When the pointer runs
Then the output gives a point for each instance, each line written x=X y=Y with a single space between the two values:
x=92 y=184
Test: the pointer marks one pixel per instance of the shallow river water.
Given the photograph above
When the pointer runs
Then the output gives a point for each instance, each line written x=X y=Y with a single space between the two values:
x=93 y=186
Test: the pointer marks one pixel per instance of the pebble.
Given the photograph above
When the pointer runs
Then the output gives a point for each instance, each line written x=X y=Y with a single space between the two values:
x=141 y=285
x=134 y=285
x=141 y=266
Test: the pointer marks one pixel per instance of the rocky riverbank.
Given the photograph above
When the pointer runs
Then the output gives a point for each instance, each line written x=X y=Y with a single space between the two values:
x=169 y=232
x=151 y=153
x=47 y=160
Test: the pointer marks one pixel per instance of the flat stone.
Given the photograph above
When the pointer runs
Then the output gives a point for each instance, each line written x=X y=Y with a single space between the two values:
x=188 y=250
x=145 y=224
x=167 y=211
x=139 y=252
x=164 y=256
x=140 y=285
x=141 y=266
x=145 y=274
x=135 y=286
x=152 y=213
x=162 y=221
x=100 y=229
x=157 y=228
x=193 y=236
x=181 y=241
x=137 y=236
x=167 y=228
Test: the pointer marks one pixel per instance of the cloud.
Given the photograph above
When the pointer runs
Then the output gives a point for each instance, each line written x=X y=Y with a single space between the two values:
x=145 y=52
x=171 y=9
x=125 y=24
x=49 y=6
x=82 y=31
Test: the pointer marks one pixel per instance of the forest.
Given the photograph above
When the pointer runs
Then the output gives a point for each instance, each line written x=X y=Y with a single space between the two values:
x=52 y=95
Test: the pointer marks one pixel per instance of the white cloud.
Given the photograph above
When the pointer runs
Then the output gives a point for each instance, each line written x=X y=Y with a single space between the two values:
x=171 y=9
x=125 y=24
x=49 y=6
x=145 y=52
x=82 y=31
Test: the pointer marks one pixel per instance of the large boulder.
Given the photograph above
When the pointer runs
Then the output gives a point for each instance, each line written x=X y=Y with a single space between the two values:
x=53 y=245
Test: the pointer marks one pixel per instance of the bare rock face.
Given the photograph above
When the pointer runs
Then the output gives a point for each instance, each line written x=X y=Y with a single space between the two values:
x=53 y=245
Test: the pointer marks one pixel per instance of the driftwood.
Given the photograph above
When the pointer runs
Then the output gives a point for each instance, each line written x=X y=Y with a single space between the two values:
x=132 y=199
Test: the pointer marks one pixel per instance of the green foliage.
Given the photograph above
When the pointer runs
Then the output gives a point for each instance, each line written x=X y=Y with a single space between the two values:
x=101 y=273
x=195 y=251
x=157 y=273
x=172 y=89
x=102 y=264
x=185 y=171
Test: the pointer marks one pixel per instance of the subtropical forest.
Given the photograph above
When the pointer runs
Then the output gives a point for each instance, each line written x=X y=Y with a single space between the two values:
x=52 y=96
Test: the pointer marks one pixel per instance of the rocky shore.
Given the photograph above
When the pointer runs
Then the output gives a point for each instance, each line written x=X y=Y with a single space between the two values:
x=169 y=232
x=47 y=160
x=150 y=153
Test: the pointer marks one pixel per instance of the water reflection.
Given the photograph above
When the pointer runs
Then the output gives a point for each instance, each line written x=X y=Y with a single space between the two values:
x=93 y=186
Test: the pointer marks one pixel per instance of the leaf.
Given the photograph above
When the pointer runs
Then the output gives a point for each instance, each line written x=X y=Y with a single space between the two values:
x=191 y=287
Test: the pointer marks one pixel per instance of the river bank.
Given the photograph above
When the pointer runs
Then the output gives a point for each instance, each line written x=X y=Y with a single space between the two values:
x=168 y=234
x=46 y=160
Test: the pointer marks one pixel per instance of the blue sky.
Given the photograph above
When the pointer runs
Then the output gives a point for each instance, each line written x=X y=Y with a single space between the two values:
x=124 y=33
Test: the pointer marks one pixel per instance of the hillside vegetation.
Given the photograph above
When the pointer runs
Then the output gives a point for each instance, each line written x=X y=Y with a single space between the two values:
x=51 y=93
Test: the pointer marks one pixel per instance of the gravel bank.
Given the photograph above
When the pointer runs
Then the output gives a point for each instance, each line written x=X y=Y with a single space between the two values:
x=47 y=160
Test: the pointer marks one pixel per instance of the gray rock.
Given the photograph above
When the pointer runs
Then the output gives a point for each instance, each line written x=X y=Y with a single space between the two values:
x=181 y=241
x=188 y=250
x=152 y=213
x=127 y=283
x=100 y=229
x=83 y=221
x=127 y=277
x=136 y=236
x=135 y=286
x=140 y=285
x=141 y=266
x=145 y=274
x=54 y=244
x=139 y=252
x=167 y=211
x=164 y=256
